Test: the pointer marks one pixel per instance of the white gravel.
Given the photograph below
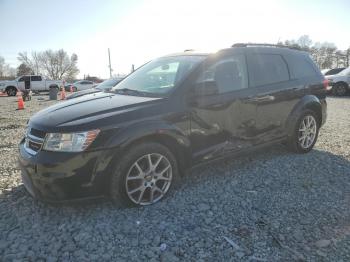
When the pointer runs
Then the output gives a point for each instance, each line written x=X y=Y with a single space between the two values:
x=271 y=205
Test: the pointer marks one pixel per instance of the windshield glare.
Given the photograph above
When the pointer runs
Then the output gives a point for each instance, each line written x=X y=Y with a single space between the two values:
x=108 y=83
x=159 y=76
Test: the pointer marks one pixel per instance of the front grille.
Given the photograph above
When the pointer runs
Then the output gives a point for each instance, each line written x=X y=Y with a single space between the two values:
x=34 y=146
x=37 y=133
x=34 y=141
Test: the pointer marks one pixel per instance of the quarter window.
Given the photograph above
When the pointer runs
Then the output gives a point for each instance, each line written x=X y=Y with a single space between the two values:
x=228 y=74
x=267 y=69
x=35 y=78
x=300 y=66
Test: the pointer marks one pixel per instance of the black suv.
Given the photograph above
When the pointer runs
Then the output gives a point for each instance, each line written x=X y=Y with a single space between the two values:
x=134 y=142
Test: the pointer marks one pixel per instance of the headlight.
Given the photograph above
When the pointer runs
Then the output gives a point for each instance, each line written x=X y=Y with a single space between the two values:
x=69 y=142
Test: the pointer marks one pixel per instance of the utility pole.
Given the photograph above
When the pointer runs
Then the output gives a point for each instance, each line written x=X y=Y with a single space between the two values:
x=110 y=67
x=132 y=68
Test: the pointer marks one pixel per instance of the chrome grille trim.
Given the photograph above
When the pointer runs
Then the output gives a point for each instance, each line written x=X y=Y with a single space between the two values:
x=34 y=139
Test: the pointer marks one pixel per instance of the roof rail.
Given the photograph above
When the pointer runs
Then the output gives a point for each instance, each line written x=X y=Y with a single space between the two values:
x=267 y=45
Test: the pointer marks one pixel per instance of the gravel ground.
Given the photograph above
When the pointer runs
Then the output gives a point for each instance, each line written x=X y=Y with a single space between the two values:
x=271 y=205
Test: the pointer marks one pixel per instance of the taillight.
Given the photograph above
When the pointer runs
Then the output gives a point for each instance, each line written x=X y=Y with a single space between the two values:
x=326 y=84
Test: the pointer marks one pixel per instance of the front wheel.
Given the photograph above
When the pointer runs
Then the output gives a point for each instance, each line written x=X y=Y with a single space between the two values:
x=11 y=91
x=305 y=133
x=144 y=175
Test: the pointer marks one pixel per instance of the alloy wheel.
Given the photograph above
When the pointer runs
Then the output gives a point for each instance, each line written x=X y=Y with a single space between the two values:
x=340 y=90
x=148 y=179
x=307 y=131
x=11 y=92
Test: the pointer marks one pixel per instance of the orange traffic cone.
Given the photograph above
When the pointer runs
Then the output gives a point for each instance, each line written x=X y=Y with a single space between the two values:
x=71 y=89
x=63 y=94
x=20 y=103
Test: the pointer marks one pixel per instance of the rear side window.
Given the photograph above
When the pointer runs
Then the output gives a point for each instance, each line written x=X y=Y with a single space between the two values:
x=300 y=66
x=267 y=69
x=35 y=78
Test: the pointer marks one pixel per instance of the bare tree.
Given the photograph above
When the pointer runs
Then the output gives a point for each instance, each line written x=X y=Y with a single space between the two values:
x=304 y=41
x=23 y=69
x=326 y=55
x=32 y=62
x=6 y=71
x=54 y=64
x=2 y=66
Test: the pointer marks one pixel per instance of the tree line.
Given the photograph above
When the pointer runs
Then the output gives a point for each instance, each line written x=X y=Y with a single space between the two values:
x=325 y=54
x=53 y=64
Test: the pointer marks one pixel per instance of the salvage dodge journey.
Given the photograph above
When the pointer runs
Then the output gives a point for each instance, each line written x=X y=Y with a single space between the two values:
x=135 y=142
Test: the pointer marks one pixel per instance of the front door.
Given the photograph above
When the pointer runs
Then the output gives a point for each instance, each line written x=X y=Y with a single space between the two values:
x=22 y=82
x=222 y=115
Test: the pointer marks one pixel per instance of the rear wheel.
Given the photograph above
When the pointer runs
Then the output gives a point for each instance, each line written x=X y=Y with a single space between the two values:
x=305 y=133
x=11 y=91
x=144 y=175
x=339 y=89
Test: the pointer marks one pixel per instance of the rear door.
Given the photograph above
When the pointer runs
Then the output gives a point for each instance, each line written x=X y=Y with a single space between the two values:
x=223 y=121
x=36 y=83
x=275 y=93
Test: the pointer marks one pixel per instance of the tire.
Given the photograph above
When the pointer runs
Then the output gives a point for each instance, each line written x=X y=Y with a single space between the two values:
x=339 y=89
x=129 y=176
x=11 y=91
x=296 y=143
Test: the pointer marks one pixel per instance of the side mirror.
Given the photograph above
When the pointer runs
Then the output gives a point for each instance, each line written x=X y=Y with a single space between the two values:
x=205 y=89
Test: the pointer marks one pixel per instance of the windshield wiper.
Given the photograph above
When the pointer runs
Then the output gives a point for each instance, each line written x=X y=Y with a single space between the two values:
x=127 y=91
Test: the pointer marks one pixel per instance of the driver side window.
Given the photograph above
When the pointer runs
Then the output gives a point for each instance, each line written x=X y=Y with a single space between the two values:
x=227 y=74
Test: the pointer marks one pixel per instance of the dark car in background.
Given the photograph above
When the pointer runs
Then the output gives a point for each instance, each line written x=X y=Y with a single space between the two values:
x=135 y=142
x=104 y=86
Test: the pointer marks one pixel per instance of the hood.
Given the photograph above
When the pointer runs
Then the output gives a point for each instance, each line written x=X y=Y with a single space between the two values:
x=83 y=92
x=91 y=111
x=8 y=82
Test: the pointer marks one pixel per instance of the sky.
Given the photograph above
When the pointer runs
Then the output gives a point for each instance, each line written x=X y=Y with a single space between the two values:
x=137 y=31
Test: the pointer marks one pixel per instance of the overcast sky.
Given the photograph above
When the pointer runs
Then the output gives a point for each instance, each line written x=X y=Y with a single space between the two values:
x=139 y=30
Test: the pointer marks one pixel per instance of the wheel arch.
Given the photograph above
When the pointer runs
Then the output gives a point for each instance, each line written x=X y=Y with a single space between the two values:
x=180 y=151
x=8 y=87
x=165 y=134
x=308 y=102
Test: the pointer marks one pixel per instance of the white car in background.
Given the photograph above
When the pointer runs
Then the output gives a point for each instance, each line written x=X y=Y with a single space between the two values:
x=340 y=82
x=83 y=85
x=36 y=83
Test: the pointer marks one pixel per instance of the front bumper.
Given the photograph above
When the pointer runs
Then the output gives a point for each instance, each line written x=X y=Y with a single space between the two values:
x=60 y=177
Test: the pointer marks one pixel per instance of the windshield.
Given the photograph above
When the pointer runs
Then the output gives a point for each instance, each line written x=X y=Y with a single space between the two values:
x=108 y=83
x=159 y=76
x=345 y=72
